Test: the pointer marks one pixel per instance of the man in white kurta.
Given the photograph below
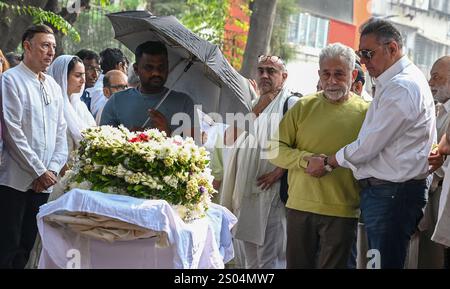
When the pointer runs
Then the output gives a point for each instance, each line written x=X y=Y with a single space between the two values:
x=251 y=183
x=35 y=145
x=431 y=254
x=441 y=233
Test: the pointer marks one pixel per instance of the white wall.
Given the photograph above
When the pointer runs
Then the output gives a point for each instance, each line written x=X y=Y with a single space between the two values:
x=303 y=75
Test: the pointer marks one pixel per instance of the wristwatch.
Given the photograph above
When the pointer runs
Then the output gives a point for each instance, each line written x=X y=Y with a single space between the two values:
x=55 y=173
x=327 y=166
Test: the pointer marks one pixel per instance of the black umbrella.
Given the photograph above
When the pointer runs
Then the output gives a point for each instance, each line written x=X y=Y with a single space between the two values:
x=197 y=67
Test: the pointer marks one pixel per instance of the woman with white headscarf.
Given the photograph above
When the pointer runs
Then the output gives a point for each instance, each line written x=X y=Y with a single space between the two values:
x=69 y=73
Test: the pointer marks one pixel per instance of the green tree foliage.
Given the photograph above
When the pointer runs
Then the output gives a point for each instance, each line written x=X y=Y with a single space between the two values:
x=204 y=17
x=96 y=29
x=207 y=19
x=168 y=7
x=41 y=16
x=131 y=4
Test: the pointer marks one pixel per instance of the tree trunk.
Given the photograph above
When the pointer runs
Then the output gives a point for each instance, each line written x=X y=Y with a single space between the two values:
x=259 y=34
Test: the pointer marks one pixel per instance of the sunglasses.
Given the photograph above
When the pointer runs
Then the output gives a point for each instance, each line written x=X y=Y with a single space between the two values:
x=367 y=53
x=273 y=58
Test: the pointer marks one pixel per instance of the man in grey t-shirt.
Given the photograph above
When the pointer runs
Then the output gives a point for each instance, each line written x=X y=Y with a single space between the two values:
x=133 y=106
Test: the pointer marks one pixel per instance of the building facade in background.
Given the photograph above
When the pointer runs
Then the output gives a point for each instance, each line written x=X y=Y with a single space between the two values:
x=236 y=30
x=424 y=24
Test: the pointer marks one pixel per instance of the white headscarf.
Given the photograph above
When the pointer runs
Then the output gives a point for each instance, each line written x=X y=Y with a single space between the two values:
x=76 y=112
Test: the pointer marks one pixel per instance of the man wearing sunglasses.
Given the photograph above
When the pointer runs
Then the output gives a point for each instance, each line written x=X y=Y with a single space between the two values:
x=390 y=159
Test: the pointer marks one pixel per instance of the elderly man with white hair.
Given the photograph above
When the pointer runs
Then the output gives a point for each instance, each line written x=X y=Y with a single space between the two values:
x=430 y=254
x=437 y=213
x=322 y=213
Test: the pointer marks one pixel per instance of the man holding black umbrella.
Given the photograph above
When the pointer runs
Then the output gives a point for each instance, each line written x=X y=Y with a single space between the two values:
x=133 y=106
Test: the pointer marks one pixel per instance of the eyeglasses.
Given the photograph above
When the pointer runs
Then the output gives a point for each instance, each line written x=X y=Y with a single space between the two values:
x=44 y=94
x=122 y=87
x=273 y=58
x=367 y=53
x=93 y=68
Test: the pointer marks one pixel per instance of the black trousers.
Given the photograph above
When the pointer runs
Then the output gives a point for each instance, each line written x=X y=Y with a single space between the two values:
x=317 y=241
x=18 y=225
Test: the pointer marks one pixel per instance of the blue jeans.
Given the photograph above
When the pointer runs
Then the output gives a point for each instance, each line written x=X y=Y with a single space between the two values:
x=391 y=213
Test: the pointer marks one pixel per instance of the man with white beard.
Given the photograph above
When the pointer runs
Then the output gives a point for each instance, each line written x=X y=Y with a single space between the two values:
x=322 y=214
x=431 y=255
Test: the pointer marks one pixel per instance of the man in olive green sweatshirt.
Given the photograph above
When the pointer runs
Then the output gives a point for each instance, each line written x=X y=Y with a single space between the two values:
x=322 y=213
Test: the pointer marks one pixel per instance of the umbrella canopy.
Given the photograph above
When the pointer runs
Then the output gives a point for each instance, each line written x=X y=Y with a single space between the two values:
x=211 y=81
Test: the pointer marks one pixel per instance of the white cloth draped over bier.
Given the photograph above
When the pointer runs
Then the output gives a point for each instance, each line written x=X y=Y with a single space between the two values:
x=204 y=243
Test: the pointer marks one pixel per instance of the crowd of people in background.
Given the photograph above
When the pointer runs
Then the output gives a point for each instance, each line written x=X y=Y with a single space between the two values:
x=347 y=164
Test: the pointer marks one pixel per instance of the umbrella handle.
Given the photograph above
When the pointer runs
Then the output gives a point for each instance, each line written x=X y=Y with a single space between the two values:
x=169 y=91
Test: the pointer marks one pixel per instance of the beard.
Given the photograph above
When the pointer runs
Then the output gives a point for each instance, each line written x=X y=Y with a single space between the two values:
x=156 y=82
x=336 y=94
x=442 y=93
x=265 y=87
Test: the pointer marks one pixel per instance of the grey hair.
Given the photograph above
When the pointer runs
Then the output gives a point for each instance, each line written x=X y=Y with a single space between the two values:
x=383 y=30
x=338 y=50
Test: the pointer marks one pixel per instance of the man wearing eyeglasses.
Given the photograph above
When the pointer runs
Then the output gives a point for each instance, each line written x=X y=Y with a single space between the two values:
x=91 y=61
x=35 y=144
x=114 y=81
x=390 y=159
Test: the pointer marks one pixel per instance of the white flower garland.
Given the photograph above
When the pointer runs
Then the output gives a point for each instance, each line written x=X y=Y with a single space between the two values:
x=144 y=164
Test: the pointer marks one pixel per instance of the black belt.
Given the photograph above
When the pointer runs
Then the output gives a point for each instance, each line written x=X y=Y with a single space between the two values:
x=371 y=182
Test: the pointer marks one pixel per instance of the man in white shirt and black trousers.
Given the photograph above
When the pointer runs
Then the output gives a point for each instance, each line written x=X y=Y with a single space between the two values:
x=391 y=157
x=35 y=144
